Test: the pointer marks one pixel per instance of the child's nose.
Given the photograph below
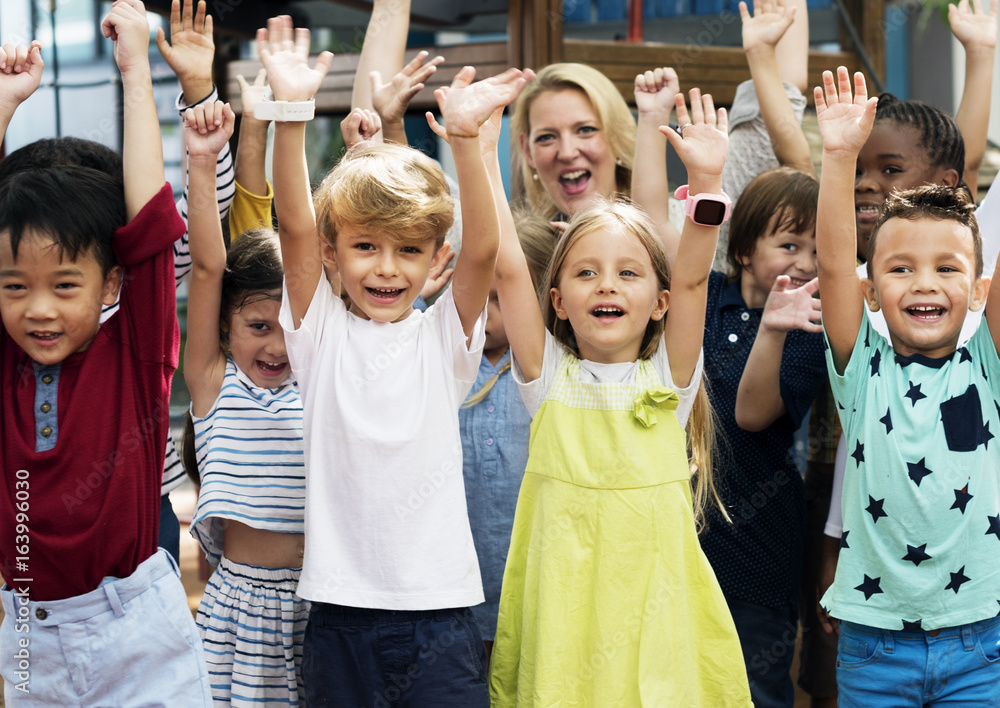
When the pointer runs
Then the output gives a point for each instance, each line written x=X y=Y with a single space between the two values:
x=40 y=307
x=864 y=181
x=385 y=264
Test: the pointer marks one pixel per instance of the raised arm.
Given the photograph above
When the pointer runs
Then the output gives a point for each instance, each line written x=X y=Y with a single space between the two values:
x=758 y=400
x=466 y=106
x=845 y=120
x=251 y=152
x=204 y=362
x=391 y=100
x=142 y=147
x=20 y=75
x=654 y=97
x=768 y=28
x=382 y=51
x=518 y=299
x=703 y=150
x=191 y=49
x=285 y=54
x=976 y=29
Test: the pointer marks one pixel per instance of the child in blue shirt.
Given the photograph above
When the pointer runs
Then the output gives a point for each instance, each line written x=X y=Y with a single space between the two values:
x=918 y=583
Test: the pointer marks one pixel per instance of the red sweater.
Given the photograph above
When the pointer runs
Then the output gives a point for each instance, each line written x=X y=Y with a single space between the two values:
x=93 y=500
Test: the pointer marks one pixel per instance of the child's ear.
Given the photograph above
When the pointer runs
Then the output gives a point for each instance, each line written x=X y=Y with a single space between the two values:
x=662 y=303
x=112 y=284
x=328 y=253
x=439 y=254
x=870 y=294
x=949 y=177
x=557 y=304
x=979 y=291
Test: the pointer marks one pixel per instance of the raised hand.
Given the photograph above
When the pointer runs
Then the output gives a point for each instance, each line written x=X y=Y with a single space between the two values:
x=391 y=99
x=191 y=49
x=252 y=93
x=703 y=137
x=790 y=308
x=655 y=91
x=207 y=128
x=127 y=26
x=20 y=74
x=768 y=24
x=845 y=119
x=284 y=51
x=439 y=273
x=360 y=124
x=976 y=26
x=466 y=106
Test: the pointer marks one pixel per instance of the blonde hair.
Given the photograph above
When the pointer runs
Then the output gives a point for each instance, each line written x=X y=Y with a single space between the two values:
x=388 y=188
x=624 y=216
x=612 y=112
x=537 y=242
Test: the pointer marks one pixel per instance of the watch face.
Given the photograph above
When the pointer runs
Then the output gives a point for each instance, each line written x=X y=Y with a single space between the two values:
x=709 y=212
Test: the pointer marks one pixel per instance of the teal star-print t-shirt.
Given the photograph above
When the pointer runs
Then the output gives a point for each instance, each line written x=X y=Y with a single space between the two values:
x=921 y=540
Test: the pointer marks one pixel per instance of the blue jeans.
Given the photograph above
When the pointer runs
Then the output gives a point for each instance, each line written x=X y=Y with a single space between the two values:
x=767 y=637
x=960 y=666
x=381 y=658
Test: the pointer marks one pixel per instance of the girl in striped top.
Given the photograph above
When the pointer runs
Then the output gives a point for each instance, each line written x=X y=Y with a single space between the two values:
x=247 y=418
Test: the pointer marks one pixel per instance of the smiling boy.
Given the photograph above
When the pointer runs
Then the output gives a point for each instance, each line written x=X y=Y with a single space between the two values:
x=917 y=587
x=84 y=417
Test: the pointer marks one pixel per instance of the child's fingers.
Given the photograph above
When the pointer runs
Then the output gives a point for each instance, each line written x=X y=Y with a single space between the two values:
x=242 y=82
x=175 y=17
x=708 y=105
x=20 y=57
x=860 y=88
x=744 y=12
x=812 y=287
x=301 y=42
x=261 y=78
x=829 y=88
x=200 y=122
x=697 y=110
x=781 y=284
x=465 y=76
x=263 y=46
x=414 y=63
x=844 y=85
x=209 y=27
x=723 y=120
x=683 y=118
x=323 y=61
x=187 y=14
x=200 y=18
x=436 y=127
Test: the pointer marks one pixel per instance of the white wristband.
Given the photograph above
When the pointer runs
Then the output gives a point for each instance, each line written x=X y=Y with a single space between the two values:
x=283 y=111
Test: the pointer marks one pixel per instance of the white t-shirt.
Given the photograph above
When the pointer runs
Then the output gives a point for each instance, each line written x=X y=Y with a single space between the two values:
x=386 y=525
x=533 y=392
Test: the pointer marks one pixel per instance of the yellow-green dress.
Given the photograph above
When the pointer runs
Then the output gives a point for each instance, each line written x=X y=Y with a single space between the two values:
x=607 y=597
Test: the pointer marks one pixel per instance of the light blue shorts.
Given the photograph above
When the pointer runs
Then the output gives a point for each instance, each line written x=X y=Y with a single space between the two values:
x=131 y=642
x=957 y=666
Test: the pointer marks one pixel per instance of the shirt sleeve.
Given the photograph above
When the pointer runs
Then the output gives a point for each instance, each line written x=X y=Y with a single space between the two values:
x=687 y=394
x=533 y=392
x=465 y=358
x=148 y=296
x=250 y=211
x=845 y=387
x=303 y=342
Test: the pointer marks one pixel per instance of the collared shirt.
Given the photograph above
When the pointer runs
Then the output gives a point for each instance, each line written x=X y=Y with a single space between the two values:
x=757 y=558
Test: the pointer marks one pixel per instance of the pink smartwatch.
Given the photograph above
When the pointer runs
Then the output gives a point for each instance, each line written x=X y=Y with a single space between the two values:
x=705 y=209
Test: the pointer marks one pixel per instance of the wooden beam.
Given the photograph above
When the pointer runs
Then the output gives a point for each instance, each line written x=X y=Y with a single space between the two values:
x=535 y=32
x=868 y=17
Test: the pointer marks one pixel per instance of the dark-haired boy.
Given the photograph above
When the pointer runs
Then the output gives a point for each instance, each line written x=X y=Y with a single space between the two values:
x=95 y=615
x=917 y=587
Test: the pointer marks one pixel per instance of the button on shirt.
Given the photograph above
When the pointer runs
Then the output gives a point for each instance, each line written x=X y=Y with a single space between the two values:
x=757 y=558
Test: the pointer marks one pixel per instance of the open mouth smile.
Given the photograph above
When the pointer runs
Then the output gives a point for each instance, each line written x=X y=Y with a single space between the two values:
x=574 y=181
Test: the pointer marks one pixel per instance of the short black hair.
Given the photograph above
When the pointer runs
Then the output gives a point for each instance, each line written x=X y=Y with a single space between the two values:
x=940 y=137
x=931 y=201
x=57 y=152
x=78 y=207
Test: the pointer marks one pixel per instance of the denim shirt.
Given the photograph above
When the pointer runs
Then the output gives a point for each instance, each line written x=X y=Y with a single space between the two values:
x=495 y=435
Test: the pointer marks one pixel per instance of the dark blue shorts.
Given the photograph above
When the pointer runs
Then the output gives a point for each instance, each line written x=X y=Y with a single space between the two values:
x=381 y=658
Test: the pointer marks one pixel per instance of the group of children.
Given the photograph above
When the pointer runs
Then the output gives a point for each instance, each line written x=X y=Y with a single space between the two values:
x=576 y=431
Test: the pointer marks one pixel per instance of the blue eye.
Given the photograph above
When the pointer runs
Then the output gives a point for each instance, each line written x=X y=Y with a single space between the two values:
x=629 y=273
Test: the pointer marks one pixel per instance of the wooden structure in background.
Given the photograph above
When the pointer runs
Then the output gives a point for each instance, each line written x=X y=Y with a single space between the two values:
x=535 y=38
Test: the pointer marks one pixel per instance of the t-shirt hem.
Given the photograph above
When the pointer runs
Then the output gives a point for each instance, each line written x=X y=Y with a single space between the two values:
x=880 y=621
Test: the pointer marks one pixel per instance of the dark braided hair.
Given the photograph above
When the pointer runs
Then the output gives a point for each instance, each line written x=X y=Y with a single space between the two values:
x=939 y=135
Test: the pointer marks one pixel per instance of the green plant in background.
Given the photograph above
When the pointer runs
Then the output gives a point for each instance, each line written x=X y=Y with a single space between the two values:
x=932 y=6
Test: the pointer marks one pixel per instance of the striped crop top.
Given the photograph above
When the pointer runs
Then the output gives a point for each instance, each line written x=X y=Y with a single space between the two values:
x=249 y=452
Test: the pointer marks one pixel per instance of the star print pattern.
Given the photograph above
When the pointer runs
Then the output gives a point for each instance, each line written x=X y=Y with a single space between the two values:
x=871 y=586
x=914 y=393
x=916 y=554
x=957 y=580
x=962 y=498
x=993 y=529
x=921 y=432
x=875 y=509
x=886 y=420
x=918 y=471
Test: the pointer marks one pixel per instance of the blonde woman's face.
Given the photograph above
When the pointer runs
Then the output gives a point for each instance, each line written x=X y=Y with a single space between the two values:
x=566 y=147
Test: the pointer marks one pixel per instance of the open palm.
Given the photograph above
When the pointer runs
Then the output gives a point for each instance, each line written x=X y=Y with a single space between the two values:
x=845 y=119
